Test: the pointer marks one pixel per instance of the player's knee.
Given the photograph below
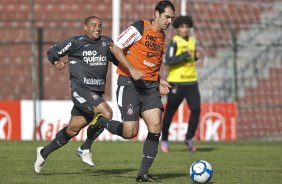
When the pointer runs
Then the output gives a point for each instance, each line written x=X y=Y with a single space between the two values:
x=130 y=134
x=72 y=132
x=108 y=114
x=155 y=128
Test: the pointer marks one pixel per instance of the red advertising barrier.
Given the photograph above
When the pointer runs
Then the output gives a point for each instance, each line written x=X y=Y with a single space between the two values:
x=218 y=122
x=10 y=120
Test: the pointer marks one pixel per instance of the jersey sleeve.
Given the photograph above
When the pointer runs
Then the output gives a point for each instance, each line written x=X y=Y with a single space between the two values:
x=110 y=55
x=130 y=35
x=60 y=50
x=113 y=59
x=170 y=56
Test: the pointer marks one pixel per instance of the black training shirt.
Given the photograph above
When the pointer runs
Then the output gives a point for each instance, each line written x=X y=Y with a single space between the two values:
x=88 y=60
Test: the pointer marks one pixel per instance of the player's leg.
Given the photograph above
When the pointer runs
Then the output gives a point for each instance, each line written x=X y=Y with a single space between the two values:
x=64 y=135
x=81 y=110
x=152 y=108
x=128 y=102
x=194 y=101
x=86 y=103
x=174 y=98
x=128 y=99
x=61 y=138
x=152 y=119
x=93 y=131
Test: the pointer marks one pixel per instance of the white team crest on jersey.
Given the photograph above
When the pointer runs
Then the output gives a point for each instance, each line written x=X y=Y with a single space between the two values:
x=95 y=96
x=129 y=110
x=104 y=44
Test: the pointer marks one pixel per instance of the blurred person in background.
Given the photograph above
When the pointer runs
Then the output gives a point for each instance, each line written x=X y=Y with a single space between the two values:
x=88 y=58
x=142 y=44
x=181 y=54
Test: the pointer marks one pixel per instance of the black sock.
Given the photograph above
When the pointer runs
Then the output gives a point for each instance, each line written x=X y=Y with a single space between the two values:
x=92 y=133
x=115 y=127
x=150 y=150
x=60 y=140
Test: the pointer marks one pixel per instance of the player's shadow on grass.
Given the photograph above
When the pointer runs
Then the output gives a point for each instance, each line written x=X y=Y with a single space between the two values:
x=165 y=176
x=206 y=149
x=158 y=177
x=62 y=173
x=92 y=172
x=111 y=171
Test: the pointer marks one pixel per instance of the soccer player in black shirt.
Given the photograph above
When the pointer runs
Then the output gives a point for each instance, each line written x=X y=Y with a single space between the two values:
x=88 y=57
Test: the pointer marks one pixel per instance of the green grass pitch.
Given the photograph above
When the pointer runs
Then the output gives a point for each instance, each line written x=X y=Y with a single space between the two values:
x=249 y=162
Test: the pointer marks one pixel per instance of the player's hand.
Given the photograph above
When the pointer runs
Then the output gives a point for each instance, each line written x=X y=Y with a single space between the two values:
x=136 y=74
x=164 y=87
x=189 y=53
x=198 y=55
x=60 y=65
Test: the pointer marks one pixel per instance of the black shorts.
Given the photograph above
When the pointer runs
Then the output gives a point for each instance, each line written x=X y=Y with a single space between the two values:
x=84 y=101
x=132 y=101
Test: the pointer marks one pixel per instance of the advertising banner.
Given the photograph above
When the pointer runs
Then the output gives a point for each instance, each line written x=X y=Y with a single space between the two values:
x=52 y=117
x=218 y=121
x=10 y=120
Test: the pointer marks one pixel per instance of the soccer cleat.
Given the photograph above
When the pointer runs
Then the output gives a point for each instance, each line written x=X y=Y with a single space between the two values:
x=40 y=161
x=95 y=118
x=164 y=146
x=85 y=156
x=189 y=144
x=145 y=178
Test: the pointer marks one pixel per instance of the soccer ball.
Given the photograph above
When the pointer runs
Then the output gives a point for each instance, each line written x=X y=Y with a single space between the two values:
x=201 y=171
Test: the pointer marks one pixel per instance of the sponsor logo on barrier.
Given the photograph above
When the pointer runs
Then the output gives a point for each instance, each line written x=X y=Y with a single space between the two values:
x=5 y=125
x=46 y=130
x=10 y=120
x=212 y=127
x=216 y=123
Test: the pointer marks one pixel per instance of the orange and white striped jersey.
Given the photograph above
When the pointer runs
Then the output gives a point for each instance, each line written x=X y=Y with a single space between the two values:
x=144 y=48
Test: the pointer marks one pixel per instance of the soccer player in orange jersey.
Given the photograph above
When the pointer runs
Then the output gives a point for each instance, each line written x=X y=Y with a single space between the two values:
x=143 y=42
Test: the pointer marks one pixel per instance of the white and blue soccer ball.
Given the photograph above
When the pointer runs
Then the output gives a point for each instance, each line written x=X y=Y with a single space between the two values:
x=201 y=171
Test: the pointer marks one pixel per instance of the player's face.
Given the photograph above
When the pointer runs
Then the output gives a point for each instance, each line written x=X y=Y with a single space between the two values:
x=93 y=28
x=183 y=30
x=164 y=20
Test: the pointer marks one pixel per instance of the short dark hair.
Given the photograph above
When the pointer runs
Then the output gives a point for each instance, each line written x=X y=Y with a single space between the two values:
x=162 y=5
x=89 y=18
x=180 y=20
